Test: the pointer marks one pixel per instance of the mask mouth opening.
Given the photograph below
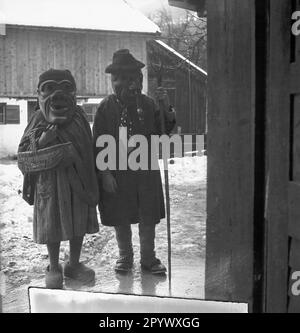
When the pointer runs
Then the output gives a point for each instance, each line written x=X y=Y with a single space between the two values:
x=60 y=104
x=59 y=109
x=131 y=91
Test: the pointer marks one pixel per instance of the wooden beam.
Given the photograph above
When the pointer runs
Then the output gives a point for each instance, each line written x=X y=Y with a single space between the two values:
x=277 y=157
x=230 y=150
x=198 y=6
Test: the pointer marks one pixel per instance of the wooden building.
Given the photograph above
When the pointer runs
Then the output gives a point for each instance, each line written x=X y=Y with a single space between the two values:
x=81 y=37
x=253 y=225
x=185 y=83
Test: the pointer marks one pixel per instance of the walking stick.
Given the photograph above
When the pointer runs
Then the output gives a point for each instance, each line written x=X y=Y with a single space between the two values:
x=166 y=176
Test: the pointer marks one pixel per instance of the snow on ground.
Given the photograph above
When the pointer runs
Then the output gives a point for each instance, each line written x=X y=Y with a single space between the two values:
x=186 y=171
x=12 y=204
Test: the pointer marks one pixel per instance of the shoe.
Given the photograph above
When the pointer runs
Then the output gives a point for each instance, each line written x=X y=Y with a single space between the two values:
x=156 y=267
x=80 y=272
x=54 y=279
x=123 y=266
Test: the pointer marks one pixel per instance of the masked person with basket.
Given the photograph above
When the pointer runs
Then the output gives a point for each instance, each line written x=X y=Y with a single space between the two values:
x=57 y=160
x=131 y=196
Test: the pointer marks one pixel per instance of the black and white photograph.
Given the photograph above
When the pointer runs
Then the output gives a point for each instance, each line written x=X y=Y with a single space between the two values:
x=149 y=158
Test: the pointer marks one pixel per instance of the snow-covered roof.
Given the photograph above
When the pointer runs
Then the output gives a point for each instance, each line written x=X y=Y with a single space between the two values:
x=170 y=49
x=109 y=15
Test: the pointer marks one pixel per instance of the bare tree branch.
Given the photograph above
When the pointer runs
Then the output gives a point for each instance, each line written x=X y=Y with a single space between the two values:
x=186 y=35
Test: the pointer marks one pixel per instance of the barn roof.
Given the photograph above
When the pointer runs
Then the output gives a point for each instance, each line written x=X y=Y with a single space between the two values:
x=111 y=15
x=180 y=56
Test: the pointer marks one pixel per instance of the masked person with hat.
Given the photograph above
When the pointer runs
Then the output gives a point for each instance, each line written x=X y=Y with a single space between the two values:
x=131 y=196
x=64 y=194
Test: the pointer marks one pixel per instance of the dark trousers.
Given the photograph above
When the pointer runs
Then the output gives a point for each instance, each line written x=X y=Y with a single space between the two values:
x=147 y=239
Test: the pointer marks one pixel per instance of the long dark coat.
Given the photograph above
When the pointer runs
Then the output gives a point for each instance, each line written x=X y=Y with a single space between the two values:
x=139 y=193
x=61 y=210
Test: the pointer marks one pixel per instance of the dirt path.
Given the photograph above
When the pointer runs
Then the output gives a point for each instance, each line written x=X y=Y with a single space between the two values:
x=23 y=262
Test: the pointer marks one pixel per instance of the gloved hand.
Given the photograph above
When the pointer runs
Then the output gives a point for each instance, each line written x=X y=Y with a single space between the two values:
x=47 y=136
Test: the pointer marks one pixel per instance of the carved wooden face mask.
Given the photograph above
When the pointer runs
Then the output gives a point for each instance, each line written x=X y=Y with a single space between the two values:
x=126 y=85
x=57 y=100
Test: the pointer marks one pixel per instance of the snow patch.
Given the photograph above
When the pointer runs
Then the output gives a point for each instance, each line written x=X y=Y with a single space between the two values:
x=12 y=204
x=186 y=171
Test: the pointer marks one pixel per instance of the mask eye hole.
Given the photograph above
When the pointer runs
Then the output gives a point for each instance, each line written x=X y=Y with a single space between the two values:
x=122 y=78
x=67 y=87
x=126 y=79
x=47 y=87
x=118 y=80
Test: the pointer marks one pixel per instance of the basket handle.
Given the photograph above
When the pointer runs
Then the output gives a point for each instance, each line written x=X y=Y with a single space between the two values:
x=33 y=141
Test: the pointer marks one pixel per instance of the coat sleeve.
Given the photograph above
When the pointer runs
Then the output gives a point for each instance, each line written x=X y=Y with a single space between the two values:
x=29 y=180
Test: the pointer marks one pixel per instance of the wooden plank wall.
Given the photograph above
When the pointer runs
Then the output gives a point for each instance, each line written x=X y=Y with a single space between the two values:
x=26 y=52
x=230 y=150
x=191 y=118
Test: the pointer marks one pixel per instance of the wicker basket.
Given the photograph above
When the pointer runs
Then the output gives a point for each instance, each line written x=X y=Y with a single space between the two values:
x=47 y=158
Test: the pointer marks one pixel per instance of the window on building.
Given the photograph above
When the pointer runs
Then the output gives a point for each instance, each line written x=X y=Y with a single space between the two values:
x=12 y=114
x=90 y=110
x=9 y=114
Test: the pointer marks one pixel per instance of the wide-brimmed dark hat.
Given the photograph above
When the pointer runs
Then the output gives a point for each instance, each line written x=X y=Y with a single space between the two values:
x=123 y=60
